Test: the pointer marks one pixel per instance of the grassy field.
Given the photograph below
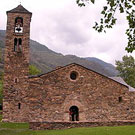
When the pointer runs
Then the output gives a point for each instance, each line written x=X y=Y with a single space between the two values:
x=23 y=129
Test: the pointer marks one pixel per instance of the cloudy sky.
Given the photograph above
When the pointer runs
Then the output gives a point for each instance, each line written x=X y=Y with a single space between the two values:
x=66 y=28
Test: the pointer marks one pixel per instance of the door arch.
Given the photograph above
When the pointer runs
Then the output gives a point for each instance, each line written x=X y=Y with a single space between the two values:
x=74 y=113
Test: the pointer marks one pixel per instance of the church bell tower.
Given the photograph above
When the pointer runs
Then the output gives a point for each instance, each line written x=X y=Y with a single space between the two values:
x=16 y=65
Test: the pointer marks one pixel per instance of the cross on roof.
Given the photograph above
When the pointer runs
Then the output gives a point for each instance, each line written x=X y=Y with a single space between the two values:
x=20 y=1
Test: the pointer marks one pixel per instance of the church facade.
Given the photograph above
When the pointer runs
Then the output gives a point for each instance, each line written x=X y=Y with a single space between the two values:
x=69 y=94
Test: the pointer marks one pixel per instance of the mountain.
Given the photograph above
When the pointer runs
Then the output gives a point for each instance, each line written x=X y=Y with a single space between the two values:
x=47 y=60
x=107 y=66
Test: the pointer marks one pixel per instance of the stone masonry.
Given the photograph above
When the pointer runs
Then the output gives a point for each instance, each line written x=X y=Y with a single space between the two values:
x=96 y=96
x=46 y=100
x=65 y=125
x=16 y=68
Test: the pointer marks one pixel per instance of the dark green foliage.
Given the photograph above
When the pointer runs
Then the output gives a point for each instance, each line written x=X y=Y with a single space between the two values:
x=126 y=69
x=33 y=70
x=109 y=20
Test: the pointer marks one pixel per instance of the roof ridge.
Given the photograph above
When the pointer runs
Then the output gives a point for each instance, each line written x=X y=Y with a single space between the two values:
x=31 y=76
x=72 y=64
x=19 y=9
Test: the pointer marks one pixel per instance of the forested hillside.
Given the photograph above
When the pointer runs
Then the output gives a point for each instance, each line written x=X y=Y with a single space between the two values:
x=47 y=60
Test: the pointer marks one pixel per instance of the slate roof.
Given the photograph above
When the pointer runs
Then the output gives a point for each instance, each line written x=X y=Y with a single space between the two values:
x=120 y=80
x=19 y=9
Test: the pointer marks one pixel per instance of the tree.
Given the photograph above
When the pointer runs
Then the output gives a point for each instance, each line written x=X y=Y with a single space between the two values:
x=33 y=70
x=126 y=69
x=109 y=20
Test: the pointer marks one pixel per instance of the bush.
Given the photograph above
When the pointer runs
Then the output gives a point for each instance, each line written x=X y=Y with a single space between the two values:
x=33 y=70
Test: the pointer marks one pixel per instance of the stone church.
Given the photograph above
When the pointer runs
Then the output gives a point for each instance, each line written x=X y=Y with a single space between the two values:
x=67 y=95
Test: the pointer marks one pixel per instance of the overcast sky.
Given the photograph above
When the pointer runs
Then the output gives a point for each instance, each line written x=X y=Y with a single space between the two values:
x=66 y=28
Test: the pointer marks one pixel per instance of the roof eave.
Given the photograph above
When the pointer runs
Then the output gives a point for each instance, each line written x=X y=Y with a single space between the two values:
x=19 y=12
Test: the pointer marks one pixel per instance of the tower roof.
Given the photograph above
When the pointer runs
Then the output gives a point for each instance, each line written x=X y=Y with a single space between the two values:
x=19 y=9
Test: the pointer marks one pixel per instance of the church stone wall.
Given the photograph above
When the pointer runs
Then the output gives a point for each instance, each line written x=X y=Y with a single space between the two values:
x=45 y=99
x=97 y=97
x=65 y=125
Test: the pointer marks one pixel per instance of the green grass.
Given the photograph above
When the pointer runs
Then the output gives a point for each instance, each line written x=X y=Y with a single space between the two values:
x=23 y=129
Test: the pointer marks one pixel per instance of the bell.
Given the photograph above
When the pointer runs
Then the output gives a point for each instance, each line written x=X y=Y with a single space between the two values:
x=18 y=29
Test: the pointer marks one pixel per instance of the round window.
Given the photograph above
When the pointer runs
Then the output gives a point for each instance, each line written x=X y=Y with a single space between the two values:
x=73 y=75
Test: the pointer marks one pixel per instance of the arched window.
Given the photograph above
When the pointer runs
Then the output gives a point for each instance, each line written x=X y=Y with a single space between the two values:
x=20 y=45
x=19 y=20
x=20 y=41
x=15 y=44
x=74 y=113
x=19 y=25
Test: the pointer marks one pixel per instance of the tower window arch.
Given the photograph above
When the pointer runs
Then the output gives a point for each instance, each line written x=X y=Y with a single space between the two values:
x=19 y=20
x=20 y=45
x=20 y=41
x=15 y=44
x=19 y=25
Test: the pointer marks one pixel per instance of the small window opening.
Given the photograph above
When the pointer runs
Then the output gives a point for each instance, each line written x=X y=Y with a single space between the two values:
x=120 y=99
x=1 y=107
x=74 y=113
x=73 y=75
x=19 y=105
x=16 y=80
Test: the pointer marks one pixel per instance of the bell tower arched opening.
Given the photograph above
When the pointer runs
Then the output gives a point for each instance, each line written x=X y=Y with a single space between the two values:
x=19 y=25
x=74 y=113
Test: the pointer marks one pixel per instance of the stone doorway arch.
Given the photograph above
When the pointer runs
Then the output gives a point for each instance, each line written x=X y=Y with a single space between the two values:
x=81 y=108
x=74 y=113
